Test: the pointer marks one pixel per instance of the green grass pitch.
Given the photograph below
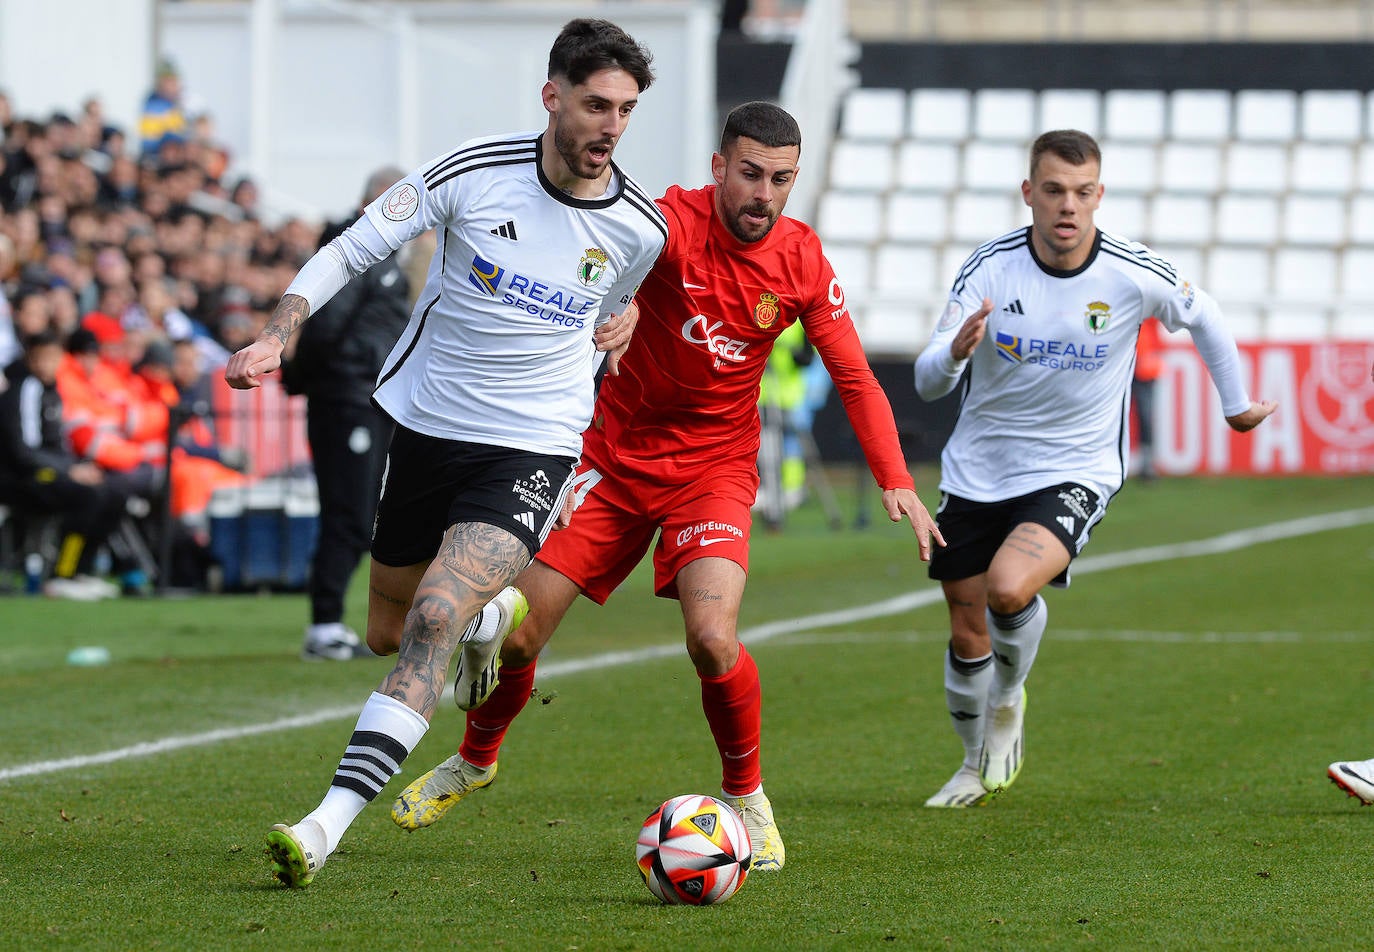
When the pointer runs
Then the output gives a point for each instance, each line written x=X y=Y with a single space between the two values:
x=1183 y=712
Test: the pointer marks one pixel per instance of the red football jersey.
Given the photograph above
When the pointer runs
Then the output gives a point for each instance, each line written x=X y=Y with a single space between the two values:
x=709 y=312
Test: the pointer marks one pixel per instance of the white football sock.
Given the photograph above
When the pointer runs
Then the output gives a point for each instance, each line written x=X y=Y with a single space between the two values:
x=966 y=694
x=386 y=733
x=1015 y=640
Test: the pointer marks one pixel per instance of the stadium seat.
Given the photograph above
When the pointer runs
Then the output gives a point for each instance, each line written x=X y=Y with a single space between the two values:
x=1247 y=219
x=1244 y=321
x=1180 y=220
x=918 y=217
x=1134 y=115
x=1364 y=167
x=1130 y=167
x=1266 y=115
x=980 y=216
x=1237 y=274
x=1313 y=220
x=1327 y=168
x=1357 y=275
x=853 y=264
x=1200 y=115
x=930 y=166
x=897 y=328
x=994 y=165
x=1296 y=323
x=1079 y=109
x=850 y=216
x=1004 y=115
x=1190 y=167
x=862 y=165
x=1332 y=115
x=874 y=114
x=939 y=114
x=1122 y=214
x=1256 y=168
x=1361 y=225
x=952 y=260
x=907 y=271
x=1352 y=325
x=1300 y=273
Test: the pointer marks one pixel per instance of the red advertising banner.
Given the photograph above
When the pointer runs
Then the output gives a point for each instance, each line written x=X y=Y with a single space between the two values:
x=1324 y=423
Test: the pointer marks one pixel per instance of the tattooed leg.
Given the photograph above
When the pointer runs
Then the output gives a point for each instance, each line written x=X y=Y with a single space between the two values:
x=475 y=561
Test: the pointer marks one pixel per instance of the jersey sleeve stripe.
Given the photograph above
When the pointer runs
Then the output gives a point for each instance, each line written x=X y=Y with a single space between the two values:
x=520 y=149
x=1008 y=242
x=638 y=200
x=454 y=173
x=1147 y=261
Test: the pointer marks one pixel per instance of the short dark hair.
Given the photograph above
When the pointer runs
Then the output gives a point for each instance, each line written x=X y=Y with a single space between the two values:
x=764 y=122
x=1074 y=147
x=48 y=337
x=585 y=46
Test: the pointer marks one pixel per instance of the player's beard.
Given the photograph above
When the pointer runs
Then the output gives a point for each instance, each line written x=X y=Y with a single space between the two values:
x=574 y=154
x=750 y=232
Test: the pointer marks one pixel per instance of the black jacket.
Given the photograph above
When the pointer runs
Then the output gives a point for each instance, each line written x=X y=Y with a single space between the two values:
x=342 y=346
x=32 y=434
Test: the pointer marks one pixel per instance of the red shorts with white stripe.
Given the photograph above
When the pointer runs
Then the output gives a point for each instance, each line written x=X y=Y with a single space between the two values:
x=619 y=512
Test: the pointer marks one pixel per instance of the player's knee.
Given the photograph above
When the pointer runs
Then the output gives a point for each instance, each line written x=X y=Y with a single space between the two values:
x=713 y=651
x=1009 y=596
x=383 y=639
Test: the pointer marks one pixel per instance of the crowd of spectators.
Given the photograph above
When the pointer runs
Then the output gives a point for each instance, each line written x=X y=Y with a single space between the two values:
x=150 y=261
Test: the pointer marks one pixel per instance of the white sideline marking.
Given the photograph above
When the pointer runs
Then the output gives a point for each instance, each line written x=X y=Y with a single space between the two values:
x=1227 y=542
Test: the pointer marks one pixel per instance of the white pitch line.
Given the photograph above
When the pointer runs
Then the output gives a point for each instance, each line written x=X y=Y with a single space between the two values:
x=1227 y=542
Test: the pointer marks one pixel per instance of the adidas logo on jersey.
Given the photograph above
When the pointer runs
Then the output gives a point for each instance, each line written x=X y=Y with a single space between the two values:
x=1066 y=522
x=1014 y=308
x=505 y=231
x=526 y=519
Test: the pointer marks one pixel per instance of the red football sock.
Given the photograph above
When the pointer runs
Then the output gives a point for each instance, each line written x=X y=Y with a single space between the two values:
x=733 y=703
x=487 y=725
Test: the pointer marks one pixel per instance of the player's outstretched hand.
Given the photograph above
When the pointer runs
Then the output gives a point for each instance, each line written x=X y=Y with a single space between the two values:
x=246 y=368
x=971 y=333
x=614 y=336
x=905 y=502
x=1252 y=417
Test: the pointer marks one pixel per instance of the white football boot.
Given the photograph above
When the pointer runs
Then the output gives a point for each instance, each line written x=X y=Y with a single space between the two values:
x=1355 y=777
x=964 y=789
x=1004 y=744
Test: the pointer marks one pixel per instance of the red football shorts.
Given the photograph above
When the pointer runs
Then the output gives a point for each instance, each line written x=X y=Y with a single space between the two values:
x=619 y=512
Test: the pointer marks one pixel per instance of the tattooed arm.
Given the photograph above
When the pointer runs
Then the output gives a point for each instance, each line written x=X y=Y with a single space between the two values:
x=245 y=368
x=350 y=254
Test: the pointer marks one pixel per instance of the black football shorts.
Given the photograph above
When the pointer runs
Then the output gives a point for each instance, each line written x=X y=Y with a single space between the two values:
x=432 y=484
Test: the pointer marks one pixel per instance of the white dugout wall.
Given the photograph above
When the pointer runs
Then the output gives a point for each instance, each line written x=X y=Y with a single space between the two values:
x=312 y=95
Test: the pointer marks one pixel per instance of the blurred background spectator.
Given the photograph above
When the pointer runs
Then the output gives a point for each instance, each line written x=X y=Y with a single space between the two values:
x=147 y=266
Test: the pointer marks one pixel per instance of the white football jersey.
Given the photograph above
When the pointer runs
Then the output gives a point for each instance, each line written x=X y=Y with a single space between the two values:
x=499 y=347
x=1047 y=391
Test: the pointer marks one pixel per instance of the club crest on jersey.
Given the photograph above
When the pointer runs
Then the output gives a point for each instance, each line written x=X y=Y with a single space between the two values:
x=485 y=276
x=401 y=202
x=766 y=311
x=1098 y=316
x=592 y=267
x=1188 y=293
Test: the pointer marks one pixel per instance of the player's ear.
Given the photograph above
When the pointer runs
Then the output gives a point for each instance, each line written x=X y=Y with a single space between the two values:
x=1026 y=191
x=550 y=96
x=718 y=168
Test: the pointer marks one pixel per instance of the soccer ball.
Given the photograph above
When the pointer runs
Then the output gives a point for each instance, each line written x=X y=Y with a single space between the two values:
x=693 y=850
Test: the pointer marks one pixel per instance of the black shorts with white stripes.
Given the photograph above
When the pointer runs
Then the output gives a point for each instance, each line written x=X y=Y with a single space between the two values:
x=975 y=531
x=432 y=483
